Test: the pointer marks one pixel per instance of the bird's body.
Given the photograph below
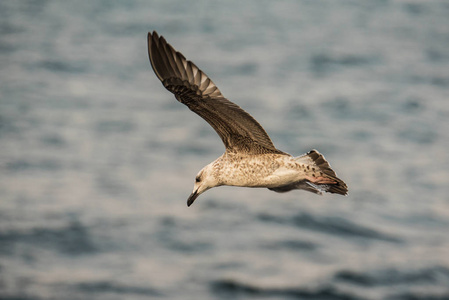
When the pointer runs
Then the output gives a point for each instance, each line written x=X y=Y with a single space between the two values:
x=250 y=159
x=268 y=170
x=263 y=170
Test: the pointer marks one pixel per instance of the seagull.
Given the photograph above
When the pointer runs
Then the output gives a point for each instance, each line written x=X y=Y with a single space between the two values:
x=250 y=158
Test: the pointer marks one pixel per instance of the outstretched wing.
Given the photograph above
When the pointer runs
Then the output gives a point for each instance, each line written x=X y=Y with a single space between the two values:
x=238 y=130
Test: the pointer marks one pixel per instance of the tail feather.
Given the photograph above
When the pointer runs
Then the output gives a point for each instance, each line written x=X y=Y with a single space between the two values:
x=321 y=176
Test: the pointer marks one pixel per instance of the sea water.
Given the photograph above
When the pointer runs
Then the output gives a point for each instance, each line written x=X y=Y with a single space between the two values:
x=97 y=159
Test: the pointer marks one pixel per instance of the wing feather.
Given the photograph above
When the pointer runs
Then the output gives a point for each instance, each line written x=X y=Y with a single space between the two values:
x=238 y=130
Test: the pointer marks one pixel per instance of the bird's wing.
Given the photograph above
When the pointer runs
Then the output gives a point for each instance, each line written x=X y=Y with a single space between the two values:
x=239 y=131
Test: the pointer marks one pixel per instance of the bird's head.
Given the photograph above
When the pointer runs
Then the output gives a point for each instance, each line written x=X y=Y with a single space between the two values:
x=204 y=180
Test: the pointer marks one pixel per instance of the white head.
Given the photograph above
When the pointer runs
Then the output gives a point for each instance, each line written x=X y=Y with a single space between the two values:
x=203 y=181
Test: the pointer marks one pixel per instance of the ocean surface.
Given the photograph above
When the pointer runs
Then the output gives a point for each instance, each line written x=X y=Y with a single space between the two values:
x=97 y=159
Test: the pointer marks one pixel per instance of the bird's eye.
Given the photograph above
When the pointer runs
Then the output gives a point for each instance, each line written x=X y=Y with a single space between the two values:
x=197 y=179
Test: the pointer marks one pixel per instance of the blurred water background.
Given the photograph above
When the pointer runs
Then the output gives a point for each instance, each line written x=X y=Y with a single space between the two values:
x=97 y=159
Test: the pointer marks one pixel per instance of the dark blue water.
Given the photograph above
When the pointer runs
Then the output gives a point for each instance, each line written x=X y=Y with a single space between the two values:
x=97 y=159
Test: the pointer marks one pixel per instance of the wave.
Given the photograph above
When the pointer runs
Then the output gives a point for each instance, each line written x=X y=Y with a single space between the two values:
x=414 y=296
x=114 y=288
x=73 y=239
x=330 y=225
x=291 y=244
x=387 y=277
x=230 y=289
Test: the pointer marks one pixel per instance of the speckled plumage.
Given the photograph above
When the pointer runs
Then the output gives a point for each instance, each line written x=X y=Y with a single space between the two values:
x=250 y=159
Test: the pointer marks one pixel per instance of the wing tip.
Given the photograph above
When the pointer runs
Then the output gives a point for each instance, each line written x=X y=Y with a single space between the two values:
x=167 y=62
x=153 y=34
x=155 y=55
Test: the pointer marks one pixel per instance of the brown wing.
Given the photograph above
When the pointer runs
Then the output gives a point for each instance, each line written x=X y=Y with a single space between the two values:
x=237 y=129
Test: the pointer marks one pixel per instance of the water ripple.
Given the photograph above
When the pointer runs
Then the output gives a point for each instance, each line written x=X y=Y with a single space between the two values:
x=330 y=225
x=111 y=287
x=74 y=239
x=230 y=289
x=394 y=277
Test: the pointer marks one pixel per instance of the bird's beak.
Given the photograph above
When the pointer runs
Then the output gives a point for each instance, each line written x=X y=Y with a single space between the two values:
x=192 y=198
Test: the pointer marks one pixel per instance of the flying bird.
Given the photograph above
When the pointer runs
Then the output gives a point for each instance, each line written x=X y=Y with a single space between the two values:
x=250 y=158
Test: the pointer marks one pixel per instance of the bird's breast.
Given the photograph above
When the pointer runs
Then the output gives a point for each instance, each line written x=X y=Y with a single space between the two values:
x=267 y=170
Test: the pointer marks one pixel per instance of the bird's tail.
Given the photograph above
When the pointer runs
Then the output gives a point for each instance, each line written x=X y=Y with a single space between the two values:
x=320 y=176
